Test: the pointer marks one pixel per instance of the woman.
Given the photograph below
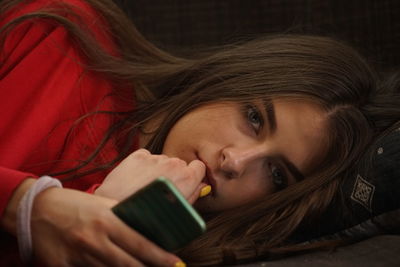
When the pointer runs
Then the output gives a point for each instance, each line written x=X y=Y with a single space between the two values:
x=272 y=125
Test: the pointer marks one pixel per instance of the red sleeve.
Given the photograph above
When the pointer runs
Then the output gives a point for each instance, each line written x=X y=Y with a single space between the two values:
x=18 y=91
x=43 y=91
x=9 y=180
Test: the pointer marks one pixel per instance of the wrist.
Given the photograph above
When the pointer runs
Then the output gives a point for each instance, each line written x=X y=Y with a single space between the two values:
x=9 y=219
x=24 y=214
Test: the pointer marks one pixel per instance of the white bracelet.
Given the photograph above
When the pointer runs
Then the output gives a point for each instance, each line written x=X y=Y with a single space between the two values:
x=24 y=215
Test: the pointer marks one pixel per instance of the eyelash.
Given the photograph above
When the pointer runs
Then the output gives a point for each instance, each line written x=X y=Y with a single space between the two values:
x=252 y=110
x=280 y=182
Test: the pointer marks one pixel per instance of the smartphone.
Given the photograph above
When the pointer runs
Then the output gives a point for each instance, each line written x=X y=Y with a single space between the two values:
x=161 y=213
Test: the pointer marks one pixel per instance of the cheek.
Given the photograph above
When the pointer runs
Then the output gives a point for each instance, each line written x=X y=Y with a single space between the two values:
x=233 y=194
x=241 y=191
x=178 y=138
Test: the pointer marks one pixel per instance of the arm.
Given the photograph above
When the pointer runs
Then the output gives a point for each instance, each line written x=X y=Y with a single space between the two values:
x=8 y=220
x=81 y=229
x=78 y=228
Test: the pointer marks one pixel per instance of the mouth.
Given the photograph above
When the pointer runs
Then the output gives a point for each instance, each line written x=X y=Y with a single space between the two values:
x=209 y=177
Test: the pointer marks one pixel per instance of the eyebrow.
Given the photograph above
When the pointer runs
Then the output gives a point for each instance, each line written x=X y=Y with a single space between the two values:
x=270 y=111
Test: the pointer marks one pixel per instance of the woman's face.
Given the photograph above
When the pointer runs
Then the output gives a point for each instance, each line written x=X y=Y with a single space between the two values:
x=250 y=150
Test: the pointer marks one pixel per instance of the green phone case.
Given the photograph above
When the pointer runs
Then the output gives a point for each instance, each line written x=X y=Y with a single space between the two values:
x=162 y=214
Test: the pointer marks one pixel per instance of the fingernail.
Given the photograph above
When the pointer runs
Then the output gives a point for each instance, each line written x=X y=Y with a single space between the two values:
x=180 y=264
x=205 y=191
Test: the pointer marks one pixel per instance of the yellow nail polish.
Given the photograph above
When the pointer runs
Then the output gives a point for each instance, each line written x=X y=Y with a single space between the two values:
x=205 y=191
x=180 y=264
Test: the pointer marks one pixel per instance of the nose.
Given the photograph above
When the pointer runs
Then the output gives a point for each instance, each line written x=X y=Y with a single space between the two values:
x=235 y=160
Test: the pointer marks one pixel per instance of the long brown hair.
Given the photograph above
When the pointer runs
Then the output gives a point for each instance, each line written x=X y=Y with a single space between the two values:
x=282 y=66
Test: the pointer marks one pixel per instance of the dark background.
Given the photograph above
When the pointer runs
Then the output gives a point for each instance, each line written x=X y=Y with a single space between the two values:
x=371 y=26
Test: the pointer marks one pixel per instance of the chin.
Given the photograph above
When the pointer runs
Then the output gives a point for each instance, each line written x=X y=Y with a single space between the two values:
x=206 y=205
x=202 y=205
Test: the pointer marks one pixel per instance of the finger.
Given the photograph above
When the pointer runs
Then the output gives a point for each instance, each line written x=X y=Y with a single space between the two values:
x=198 y=169
x=92 y=261
x=205 y=191
x=136 y=244
x=107 y=201
x=106 y=253
x=87 y=260
x=193 y=176
x=142 y=150
x=197 y=193
x=116 y=256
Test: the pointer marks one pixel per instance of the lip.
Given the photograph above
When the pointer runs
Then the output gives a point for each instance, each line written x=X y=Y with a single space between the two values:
x=211 y=180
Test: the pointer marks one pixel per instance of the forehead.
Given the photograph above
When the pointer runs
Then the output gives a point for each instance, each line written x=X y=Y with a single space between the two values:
x=301 y=132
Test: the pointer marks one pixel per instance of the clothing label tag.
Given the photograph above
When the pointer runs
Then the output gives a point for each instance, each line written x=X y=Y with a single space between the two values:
x=363 y=192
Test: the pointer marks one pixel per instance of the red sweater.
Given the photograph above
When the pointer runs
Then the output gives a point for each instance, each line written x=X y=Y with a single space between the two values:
x=43 y=91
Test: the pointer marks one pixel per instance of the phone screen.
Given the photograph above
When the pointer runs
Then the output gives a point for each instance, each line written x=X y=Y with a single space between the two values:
x=162 y=214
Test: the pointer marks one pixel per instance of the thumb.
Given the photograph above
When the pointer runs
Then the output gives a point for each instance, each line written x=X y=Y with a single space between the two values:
x=196 y=193
x=198 y=169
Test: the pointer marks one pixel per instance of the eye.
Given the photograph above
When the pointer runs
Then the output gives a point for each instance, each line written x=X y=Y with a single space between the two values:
x=279 y=177
x=255 y=118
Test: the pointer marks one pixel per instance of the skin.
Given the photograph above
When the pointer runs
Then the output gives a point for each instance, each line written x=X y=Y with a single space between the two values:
x=80 y=230
x=224 y=144
x=241 y=151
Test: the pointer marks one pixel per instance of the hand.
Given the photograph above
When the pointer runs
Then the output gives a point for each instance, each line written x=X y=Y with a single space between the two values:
x=141 y=168
x=72 y=228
